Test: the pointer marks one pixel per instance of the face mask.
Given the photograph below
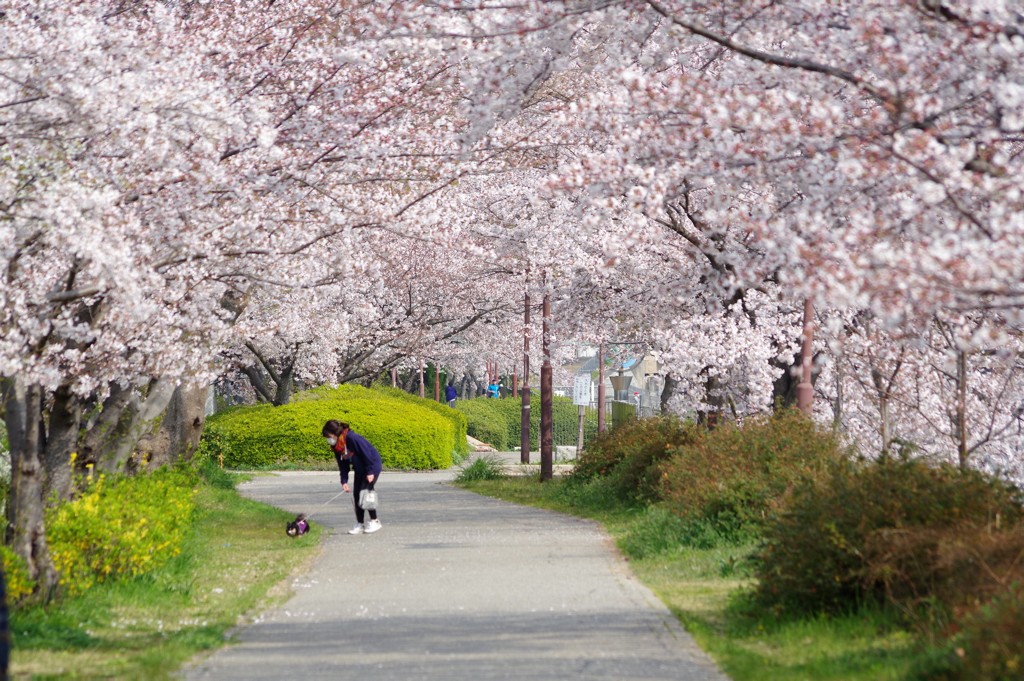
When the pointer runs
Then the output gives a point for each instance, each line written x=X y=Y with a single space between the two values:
x=332 y=441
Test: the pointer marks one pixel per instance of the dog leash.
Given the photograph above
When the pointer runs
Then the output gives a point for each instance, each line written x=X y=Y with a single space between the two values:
x=321 y=506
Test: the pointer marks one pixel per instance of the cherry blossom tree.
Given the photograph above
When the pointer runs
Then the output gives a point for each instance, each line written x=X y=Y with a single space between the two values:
x=319 y=191
x=102 y=299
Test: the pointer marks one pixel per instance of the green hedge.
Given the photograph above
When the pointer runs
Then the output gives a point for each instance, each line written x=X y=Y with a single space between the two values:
x=487 y=421
x=457 y=418
x=408 y=432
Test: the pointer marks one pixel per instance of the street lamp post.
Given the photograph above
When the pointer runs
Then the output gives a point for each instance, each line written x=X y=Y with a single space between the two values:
x=546 y=402
x=524 y=437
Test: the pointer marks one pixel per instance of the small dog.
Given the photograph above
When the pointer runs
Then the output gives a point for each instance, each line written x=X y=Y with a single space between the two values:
x=297 y=527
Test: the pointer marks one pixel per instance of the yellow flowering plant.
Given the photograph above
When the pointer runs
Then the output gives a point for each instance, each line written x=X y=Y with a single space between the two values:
x=120 y=526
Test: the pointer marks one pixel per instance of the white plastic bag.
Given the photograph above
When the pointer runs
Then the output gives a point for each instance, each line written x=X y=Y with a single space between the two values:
x=367 y=499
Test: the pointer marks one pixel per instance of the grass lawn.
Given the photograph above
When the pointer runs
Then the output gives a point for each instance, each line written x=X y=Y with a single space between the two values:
x=232 y=564
x=705 y=587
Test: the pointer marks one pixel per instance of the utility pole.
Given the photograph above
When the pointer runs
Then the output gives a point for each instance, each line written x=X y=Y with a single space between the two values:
x=524 y=439
x=546 y=403
x=600 y=388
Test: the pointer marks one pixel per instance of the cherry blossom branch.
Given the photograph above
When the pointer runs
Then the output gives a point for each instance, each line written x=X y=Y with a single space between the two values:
x=773 y=59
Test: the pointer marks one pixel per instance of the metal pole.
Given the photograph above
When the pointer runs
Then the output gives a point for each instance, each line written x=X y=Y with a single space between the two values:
x=579 y=432
x=546 y=402
x=422 y=392
x=600 y=388
x=524 y=439
x=805 y=389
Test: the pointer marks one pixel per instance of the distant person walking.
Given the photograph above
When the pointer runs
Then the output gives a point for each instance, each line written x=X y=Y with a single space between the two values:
x=353 y=450
x=451 y=394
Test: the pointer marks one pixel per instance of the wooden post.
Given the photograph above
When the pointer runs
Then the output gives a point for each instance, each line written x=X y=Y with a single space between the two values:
x=546 y=401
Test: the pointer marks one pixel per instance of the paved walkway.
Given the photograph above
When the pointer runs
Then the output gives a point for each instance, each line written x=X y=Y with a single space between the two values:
x=455 y=587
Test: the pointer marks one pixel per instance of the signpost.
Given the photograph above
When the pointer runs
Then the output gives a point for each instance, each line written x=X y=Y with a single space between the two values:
x=581 y=390
x=581 y=398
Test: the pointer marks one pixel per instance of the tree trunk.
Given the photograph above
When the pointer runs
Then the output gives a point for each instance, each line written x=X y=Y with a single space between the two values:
x=26 y=533
x=883 y=387
x=409 y=384
x=60 y=444
x=961 y=407
x=784 y=387
x=286 y=384
x=667 y=391
x=113 y=438
x=259 y=385
x=884 y=428
x=716 y=404
x=837 y=409
x=784 y=394
x=180 y=429
x=283 y=381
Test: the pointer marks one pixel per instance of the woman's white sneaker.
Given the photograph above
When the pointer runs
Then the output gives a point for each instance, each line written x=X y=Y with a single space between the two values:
x=372 y=526
x=357 y=529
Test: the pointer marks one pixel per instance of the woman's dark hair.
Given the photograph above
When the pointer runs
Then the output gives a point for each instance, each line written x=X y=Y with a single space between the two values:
x=335 y=428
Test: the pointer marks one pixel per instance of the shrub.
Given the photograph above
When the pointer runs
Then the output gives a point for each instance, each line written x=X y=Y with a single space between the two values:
x=989 y=645
x=407 y=434
x=120 y=526
x=19 y=584
x=815 y=553
x=736 y=476
x=631 y=453
x=933 y=571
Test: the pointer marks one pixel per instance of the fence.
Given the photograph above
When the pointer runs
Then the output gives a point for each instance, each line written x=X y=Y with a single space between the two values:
x=565 y=423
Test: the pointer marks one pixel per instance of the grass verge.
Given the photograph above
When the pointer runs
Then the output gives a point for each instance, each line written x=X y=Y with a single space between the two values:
x=705 y=589
x=233 y=563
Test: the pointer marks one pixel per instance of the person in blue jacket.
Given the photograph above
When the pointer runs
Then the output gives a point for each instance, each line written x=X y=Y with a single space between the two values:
x=353 y=450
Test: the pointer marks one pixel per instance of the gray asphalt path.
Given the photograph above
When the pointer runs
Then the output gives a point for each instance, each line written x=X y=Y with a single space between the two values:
x=455 y=587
